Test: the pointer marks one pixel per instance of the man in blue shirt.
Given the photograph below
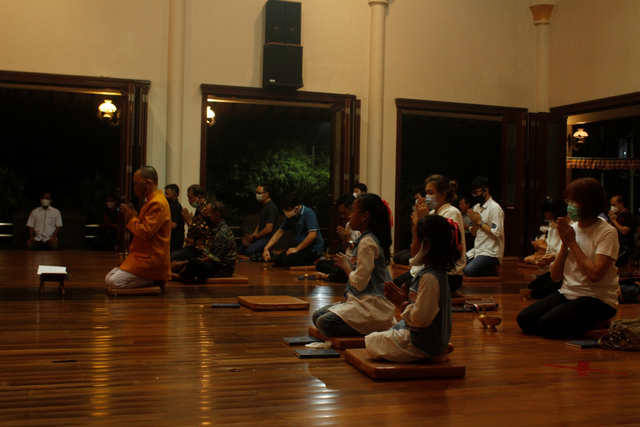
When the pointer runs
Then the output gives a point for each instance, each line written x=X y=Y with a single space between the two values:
x=306 y=234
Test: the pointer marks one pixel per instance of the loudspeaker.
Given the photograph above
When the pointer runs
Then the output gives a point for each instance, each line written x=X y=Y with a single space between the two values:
x=282 y=65
x=282 y=22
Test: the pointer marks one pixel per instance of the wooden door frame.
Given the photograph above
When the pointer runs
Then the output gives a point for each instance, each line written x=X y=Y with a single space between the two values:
x=404 y=105
x=133 y=127
x=348 y=105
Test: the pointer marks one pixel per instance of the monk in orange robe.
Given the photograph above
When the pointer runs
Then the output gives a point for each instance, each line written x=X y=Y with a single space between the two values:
x=148 y=259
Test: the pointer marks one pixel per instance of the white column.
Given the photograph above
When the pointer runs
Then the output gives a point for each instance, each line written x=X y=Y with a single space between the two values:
x=376 y=95
x=541 y=11
x=175 y=91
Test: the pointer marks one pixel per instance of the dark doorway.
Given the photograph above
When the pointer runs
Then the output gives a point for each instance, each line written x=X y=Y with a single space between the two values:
x=306 y=142
x=461 y=141
x=54 y=141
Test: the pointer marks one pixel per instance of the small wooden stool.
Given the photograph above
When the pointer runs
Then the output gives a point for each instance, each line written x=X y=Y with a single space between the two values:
x=341 y=343
x=53 y=277
x=273 y=303
x=383 y=370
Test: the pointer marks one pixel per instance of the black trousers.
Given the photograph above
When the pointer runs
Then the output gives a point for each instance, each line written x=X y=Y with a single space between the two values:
x=336 y=274
x=556 y=316
x=196 y=269
x=298 y=259
x=402 y=257
x=543 y=286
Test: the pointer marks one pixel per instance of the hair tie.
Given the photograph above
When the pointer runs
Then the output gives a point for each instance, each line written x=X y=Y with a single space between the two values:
x=456 y=234
x=386 y=205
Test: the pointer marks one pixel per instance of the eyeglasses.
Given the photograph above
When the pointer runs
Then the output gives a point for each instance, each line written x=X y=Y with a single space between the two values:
x=476 y=193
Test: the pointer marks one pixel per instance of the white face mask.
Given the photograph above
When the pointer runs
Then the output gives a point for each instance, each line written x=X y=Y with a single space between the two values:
x=614 y=209
x=544 y=228
x=355 y=195
x=431 y=201
x=259 y=197
x=195 y=205
x=552 y=224
x=111 y=205
x=45 y=202
x=290 y=214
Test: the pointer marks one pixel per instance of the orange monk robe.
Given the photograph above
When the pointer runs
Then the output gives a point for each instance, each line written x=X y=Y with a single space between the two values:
x=149 y=250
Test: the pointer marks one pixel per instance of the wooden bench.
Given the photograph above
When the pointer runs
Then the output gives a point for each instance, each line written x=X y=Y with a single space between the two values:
x=383 y=370
x=272 y=303
x=490 y=279
x=53 y=277
x=341 y=343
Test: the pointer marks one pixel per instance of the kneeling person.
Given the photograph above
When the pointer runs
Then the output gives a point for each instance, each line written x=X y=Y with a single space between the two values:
x=304 y=223
x=219 y=253
x=148 y=259
x=425 y=328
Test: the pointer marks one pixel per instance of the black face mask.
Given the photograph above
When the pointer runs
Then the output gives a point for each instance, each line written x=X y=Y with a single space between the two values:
x=477 y=199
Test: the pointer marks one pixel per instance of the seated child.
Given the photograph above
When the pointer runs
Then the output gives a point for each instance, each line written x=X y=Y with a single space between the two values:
x=366 y=309
x=425 y=328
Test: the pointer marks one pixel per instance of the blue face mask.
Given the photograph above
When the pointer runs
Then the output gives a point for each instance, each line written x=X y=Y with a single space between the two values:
x=431 y=201
x=573 y=212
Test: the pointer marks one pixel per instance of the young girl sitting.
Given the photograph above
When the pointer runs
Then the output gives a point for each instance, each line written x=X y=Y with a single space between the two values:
x=425 y=328
x=366 y=309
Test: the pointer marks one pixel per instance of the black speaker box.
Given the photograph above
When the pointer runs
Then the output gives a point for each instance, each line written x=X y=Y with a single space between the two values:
x=282 y=22
x=282 y=65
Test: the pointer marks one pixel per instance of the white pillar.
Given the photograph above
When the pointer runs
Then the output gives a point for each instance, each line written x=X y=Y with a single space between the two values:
x=541 y=11
x=175 y=91
x=376 y=95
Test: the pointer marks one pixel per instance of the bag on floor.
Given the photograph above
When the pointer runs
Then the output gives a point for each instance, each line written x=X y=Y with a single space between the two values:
x=624 y=334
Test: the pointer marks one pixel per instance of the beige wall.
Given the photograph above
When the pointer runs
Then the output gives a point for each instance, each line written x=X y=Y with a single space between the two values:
x=116 y=38
x=593 y=50
x=470 y=51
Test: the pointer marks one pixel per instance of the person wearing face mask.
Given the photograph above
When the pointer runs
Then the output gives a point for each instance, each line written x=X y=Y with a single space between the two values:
x=625 y=222
x=253 y=244
x=359 y=189
x=306 y=234
x=172 y=192
x=552 y=209
x=44 y=225
x=219 y=255
x=440 y=192
x=106 y=240
x=148 y=260
x=198 y=229
x=586 y=265
x=488 y=227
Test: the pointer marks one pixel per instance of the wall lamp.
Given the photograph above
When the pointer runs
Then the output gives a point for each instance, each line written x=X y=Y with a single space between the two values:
x=577 y=140
x=109 y=113
x=211 y=116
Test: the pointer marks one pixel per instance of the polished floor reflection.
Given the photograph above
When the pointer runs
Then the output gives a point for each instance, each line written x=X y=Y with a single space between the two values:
x=90 y=359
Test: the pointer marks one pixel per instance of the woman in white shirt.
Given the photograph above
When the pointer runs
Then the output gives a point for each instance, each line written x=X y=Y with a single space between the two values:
x=586 y=265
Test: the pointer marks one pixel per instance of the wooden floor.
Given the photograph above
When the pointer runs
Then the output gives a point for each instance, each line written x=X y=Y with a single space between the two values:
x=171 y=360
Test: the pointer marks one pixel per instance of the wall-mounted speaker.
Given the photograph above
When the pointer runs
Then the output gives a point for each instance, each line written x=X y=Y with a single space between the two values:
x=282 y=65
x=282 y=22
